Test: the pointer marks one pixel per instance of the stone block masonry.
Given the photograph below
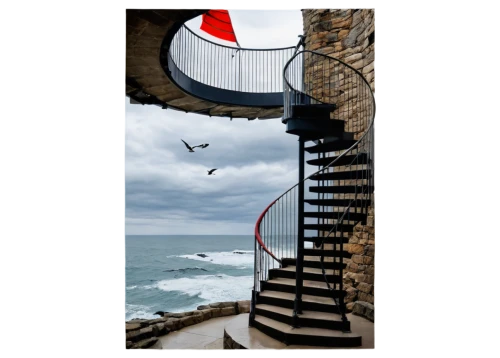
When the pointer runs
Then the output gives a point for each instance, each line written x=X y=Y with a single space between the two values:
x=144 y=333
x=347 y=35
x=359 y=276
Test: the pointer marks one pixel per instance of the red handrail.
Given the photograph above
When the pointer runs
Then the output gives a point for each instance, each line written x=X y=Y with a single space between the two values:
x=257 y=233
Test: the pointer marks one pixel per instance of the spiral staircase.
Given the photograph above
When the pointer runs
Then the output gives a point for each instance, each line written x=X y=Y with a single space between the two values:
x=298 y=295
x=298 y=291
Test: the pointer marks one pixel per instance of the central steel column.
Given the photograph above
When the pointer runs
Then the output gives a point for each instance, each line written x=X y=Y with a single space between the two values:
x=297 y=305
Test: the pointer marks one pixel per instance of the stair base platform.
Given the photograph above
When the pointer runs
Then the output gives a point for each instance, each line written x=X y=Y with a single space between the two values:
x=238 y=335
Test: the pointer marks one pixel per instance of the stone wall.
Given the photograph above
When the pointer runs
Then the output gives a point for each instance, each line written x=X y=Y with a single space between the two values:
x=347 y=35
x=360 y=271
x=230 y=343
x=144 y=333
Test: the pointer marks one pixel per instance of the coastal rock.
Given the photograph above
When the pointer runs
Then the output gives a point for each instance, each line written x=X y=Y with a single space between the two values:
x=154 y=330
x=202 y=255
x=158 y=320
x=141 y=321
x=222 y=304
x=132 y=327
x=179 y=315
x=243 y=306
x=137 y=320
x=161 y=330
x=129 y=344
x=364 y=309
x=229 y=343
x=140 y=334
x=146 y=343
x=216 y=312
x=228 y=311
x=203 y=307
x=198 y=317
x=172 y=324
x=186 y=321
x=206 y=314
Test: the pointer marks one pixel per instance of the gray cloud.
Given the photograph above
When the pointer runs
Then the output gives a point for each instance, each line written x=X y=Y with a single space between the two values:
x=168 y=190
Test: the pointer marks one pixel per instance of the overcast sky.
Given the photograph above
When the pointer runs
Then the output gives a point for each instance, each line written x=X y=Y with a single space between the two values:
x=168 y=190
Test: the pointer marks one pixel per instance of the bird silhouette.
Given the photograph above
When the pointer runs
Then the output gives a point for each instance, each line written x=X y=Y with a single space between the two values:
x=211 y=171
x=191 y=148
x=188 y=147
x=201 y=145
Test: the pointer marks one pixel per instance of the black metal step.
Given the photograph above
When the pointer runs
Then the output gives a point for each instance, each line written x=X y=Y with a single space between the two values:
x=339 y=144
x=310 y=129
x=316 y=111
x=307 y=318
x=327 y=240
x=328 y=227
x=306 y=290
x=339 y=202
x=305 y=336
x=288 y=286
x=335 y=215
x=326 y=253
x=347 y=175
x=354 y=159
x=316 y=264
x=286 y=300
x=339 y=189
x=312 y=276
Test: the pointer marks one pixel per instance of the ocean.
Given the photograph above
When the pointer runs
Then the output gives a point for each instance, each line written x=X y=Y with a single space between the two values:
x=165 y=273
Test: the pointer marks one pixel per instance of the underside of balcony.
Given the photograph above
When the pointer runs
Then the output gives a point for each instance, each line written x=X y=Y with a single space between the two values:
x=147 y=82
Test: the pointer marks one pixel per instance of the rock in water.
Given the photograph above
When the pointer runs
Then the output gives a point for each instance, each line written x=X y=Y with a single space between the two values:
x=161 y=313
x=202 y=255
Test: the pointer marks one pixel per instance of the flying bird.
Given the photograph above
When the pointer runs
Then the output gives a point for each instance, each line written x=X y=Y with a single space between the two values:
x=191 y=148
x=211 y=171
x=188 y=146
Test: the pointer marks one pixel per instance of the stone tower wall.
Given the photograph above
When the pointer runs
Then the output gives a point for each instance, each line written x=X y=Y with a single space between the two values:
x=347 y=35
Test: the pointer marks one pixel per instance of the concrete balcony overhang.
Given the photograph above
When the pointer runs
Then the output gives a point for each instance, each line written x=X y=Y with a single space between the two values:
x=151 y=78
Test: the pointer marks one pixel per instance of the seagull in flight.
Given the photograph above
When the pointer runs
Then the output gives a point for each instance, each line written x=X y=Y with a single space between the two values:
x=188 y=146
x=191 y=148
x=211 y=171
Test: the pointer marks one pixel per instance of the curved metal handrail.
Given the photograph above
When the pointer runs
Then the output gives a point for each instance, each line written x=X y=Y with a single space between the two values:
x=237 y=48
x=330 y=58
x=259 y=238
x=333 y=161
x=224 y=74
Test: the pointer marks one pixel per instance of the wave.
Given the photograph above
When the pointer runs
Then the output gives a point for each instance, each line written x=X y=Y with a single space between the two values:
x=211 y=288
x=182 y=270
x=231 y=258
x=138 y=311
x=131 y=287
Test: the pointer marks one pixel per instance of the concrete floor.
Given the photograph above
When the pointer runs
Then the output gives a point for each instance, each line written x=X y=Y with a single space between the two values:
x=204 y=335
x=252 y=338
x=209 y=335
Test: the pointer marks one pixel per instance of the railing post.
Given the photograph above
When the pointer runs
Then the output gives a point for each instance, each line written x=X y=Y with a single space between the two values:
x=256 y=273
x=299 y=268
